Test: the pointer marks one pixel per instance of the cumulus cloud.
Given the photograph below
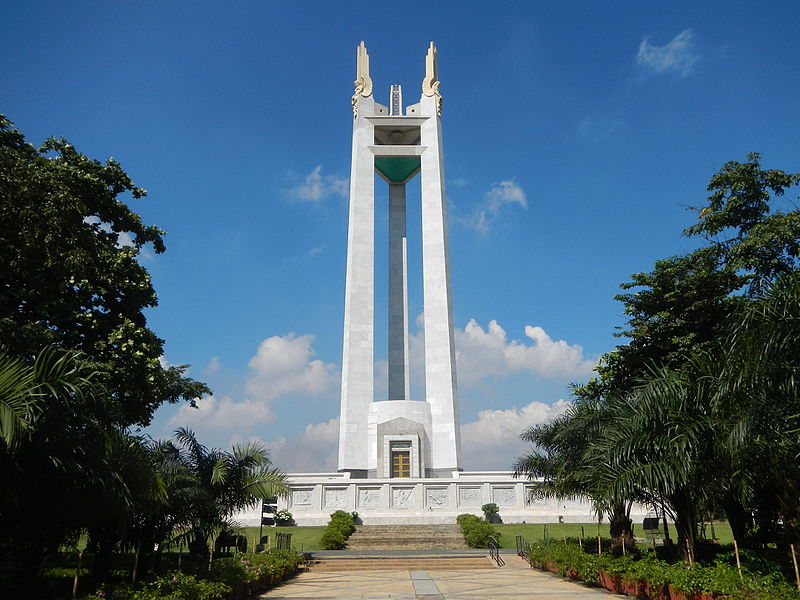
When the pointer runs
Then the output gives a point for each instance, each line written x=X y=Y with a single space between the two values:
x=677 y=56
x=492 y=441
x=284 y=365
x=500 y=197
x=312 y=450
x=317 y=187
x=222 y=413
x=482 y=353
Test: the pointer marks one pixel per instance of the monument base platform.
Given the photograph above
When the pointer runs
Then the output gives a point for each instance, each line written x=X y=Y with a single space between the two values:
x=397 y=501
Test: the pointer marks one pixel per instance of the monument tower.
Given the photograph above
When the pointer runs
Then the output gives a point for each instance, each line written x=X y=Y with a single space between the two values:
x=398 y=436
x=400 y=457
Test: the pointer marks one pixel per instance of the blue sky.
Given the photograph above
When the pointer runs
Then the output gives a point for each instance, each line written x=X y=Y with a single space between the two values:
x=576 y=136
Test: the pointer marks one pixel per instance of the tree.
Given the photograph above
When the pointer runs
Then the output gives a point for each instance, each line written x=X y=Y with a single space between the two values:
x=70 y=283
x=566 y=462
x=682 y=305
x=700 y=407
x=226 y=483
x=70 y=276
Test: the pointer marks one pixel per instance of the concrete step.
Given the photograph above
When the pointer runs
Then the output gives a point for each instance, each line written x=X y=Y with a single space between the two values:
x=412 y=537
x=402 y=564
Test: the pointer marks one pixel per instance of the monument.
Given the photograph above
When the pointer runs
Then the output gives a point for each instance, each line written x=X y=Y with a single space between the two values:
x=399 y=436
x=399 y=459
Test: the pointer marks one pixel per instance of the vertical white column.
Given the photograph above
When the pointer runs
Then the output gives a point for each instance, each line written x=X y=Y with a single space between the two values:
x=398 y=295
x=357 y=369
x=441 y=388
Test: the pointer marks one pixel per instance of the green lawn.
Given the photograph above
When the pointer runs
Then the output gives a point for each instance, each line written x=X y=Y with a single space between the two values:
x=557 y=531
x=303 y=538
x=307 y=538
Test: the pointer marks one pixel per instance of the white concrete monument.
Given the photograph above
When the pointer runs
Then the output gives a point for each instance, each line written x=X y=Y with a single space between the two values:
x=400 y=459
x=398 y=436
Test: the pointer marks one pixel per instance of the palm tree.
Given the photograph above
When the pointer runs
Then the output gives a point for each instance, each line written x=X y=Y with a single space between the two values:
x=54 y=373
x=226 y=483
x=564 y=459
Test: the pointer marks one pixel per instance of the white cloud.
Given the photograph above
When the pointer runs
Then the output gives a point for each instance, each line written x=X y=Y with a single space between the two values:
x=213 y=365
x=500 y=196
x=677 y=56
x=482 y=353
x=492 y=442
x=317 y=187
x=312 y=450
x=284 y=365
x=224 y=413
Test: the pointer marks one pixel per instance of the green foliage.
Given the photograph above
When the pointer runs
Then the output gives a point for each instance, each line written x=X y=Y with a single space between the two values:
x=216 y=484
x=68 y=254
x=720 y=579
x=176 y=586
x=343 y=521
x=79 y=366
x=340 y=527
x=333 y=539
x=476 y=531
x=245 y=569
x=696 y=413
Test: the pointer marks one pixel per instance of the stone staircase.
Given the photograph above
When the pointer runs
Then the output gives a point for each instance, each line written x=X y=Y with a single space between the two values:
x=375 y=562
x=407 y=537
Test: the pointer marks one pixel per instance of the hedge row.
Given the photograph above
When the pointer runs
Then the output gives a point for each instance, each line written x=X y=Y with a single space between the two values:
x=476 y=530
x=646 y=576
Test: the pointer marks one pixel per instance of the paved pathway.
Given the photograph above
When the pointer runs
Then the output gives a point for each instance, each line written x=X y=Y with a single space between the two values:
x=512 y=582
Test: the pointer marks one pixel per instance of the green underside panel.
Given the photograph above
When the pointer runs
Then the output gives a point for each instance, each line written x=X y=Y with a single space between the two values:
x=397 y=168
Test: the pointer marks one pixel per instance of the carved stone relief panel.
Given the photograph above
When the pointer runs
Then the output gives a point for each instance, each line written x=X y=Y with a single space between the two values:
x=436 y=497
x=503 y=496
x=301 y=499
x=402 y=497
x=469 y=496
x=369 y=498
x=335 y=498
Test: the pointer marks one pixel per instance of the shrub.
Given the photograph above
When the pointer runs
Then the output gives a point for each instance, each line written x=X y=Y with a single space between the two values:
x=476 y=531
x=333 y=539
x=251 y=568
x=341 y=525
x=491 y=513
x=178 y=586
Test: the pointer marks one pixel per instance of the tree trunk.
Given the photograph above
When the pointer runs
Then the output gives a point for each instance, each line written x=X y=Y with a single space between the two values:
x=740 y=520
x=621 y=529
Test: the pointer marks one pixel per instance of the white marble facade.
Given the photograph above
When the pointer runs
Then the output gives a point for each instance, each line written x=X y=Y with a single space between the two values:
x=387 y=501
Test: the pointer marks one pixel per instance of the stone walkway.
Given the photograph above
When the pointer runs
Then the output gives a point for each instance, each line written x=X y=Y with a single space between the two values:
x=512 y=582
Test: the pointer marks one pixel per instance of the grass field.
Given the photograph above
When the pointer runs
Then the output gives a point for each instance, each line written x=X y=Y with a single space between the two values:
x=307 y=538
x=303 y=538
x=557 y=531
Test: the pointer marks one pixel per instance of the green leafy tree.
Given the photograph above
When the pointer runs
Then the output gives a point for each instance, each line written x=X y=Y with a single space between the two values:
x=70 y=275
x=70 y=282
x=683 y=304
